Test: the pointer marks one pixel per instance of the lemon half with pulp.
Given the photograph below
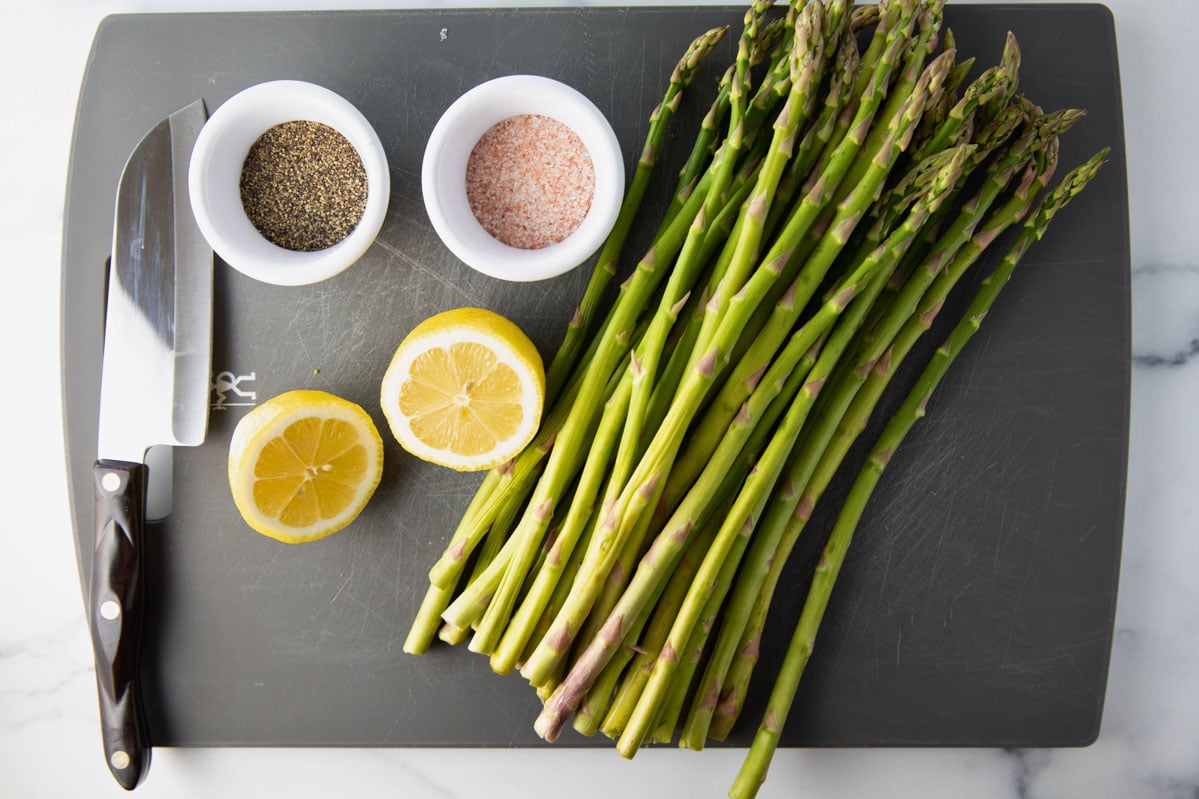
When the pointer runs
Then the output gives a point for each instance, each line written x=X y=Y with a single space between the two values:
x=465 y=390
x=303 y=465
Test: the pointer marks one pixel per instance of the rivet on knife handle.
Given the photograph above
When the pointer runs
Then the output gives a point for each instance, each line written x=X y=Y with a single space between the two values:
x=115 y=614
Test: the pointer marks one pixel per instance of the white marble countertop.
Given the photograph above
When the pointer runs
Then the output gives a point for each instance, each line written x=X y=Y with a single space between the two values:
x=1149 y=745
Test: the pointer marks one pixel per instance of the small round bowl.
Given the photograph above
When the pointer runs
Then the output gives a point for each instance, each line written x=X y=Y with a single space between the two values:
x=215 y=174
x=443 y=175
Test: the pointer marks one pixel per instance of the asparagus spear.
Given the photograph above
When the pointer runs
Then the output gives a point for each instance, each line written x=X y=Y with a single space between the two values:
x=660 y=456
x=610 y=350
x=937 y=185
x=992 y=88
x=851 y=404
x=753 y=771
x=565 y=360
x=663 y=551
x=490 y=497
x=611 y=538
x=664 y=446
x=864 y=16
x=706 y=522
x=747 y=371
x=929 y=23
x=720 y=561
x=578 y=681
x=741 y=521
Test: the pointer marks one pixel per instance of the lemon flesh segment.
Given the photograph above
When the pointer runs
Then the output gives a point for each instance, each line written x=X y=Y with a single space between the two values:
x=465 y=390
x=462 y=399
x=303 y=465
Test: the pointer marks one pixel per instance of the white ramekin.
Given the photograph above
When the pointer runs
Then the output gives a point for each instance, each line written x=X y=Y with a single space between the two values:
x=215 y=174
x=443 y=175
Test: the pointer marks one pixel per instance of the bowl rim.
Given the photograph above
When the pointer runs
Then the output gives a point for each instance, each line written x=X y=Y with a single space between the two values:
x=221 y=149
x=443 y=182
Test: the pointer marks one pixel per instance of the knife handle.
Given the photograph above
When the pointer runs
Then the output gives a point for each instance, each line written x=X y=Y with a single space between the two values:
x=115 y=613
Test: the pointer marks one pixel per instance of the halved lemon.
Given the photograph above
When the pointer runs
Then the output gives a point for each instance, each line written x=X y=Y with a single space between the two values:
x=303 y=465
x=464 y=390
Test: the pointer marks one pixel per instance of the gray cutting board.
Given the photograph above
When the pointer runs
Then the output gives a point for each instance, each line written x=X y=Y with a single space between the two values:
x=976 y=605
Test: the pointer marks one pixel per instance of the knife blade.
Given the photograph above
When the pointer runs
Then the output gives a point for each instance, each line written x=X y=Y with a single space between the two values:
x=153 y=391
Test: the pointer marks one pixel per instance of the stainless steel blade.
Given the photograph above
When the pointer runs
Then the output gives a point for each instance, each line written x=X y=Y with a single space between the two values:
x=158 y=323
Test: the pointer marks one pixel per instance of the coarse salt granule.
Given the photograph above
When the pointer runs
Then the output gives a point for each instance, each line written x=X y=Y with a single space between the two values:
x=530 y=181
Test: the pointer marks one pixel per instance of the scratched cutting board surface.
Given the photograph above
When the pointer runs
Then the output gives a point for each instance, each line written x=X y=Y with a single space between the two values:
x=976 y=605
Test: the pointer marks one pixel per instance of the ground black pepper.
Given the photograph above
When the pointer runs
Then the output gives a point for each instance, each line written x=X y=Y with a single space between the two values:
x=303 y=186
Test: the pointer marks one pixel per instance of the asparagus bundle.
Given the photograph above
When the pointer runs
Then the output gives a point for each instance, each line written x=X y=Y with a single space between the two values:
x=835 y=194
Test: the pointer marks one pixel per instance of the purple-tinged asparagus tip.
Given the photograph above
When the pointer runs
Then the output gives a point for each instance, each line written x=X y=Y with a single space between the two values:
x=787 y=301
x=923 y=406
x=757 y=207
x=743 y=417
x=549 y=722
x=647 y=490
x=983 y=238
x=677 y=308
x=843 y=297
x=613 y=630
x=815 y=190
x=927 y=317
x=650 y=555
x=713 y=303
x=936 y=262
x=707 y=365
x=685 y=192
x=751 y=381
x=883 y=364
x=846 y=226
x=617 y=574
x=776 y=264
x=787 y=489
x=883 y=457
x=883 y=156
x=862 y=370
x=753 y=646
x=554 y=557
x=710 y=698
x=803 y=508
x=727 y=703
x=787 y=145
x=783 y=120
x=681 y=533
x=560 y=638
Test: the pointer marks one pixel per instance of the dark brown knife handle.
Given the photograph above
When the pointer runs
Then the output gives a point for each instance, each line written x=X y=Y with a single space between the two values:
x=115 y=612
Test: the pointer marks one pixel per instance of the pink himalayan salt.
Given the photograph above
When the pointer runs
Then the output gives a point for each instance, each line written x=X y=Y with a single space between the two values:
x=529 y=181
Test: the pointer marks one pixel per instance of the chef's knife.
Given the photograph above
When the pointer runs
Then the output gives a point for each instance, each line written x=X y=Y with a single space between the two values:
x=153 y=391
